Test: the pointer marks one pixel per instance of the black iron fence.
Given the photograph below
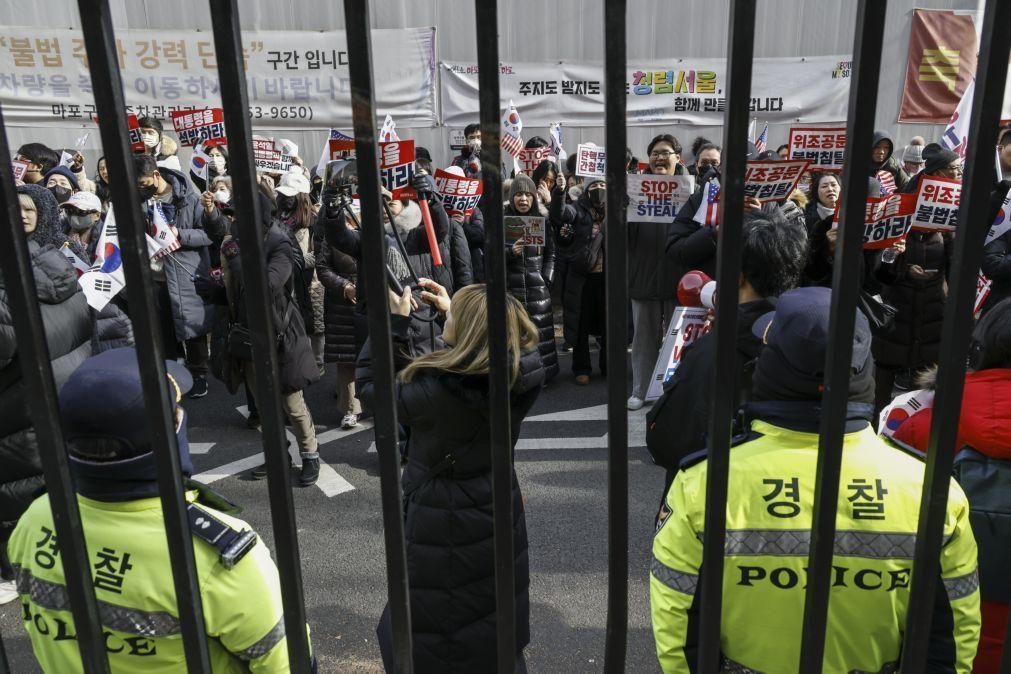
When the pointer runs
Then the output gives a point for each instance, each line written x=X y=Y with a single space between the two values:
x=14 y=262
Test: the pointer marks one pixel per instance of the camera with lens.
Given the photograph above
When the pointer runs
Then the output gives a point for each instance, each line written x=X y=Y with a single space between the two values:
x=340 y=183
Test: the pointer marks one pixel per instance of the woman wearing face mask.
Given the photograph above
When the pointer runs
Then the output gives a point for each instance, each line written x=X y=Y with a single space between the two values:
x=217 y=166
x=579 y=231
x=68 y=327
x=530 y=271
x=61 y=182
x=443 y=398
x=151 y=131
x=214 y=201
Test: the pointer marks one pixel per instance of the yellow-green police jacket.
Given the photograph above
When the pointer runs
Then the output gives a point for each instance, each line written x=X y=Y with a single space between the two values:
x=136 y=600
x=768 y=538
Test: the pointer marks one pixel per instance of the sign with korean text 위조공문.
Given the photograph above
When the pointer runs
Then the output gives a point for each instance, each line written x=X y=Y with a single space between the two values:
x=824 y=147
x=773 y=180
x=937 y=202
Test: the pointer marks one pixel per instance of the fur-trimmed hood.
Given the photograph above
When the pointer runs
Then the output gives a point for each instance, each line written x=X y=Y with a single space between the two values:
x=406 y=220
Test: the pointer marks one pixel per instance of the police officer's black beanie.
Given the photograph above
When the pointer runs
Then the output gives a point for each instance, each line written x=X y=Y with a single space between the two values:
x=776 y=379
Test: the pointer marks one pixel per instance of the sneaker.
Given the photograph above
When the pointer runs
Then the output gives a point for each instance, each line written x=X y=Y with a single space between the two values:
x=8 y=591
x=310 y=472
x=199 y=389
x=582 y=379
x=253 y=422
x=349 y=421
x=635 y=403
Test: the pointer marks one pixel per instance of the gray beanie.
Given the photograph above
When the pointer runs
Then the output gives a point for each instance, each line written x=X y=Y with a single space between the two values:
x=520 y=184
x=913 y=154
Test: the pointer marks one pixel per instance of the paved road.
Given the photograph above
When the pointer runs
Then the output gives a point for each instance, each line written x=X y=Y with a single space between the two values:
x=562 y=467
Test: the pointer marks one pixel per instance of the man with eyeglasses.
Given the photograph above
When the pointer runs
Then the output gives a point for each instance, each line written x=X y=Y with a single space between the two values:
x=652 y=276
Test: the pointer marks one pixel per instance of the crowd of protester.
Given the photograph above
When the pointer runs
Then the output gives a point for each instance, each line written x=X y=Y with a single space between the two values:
x=316 y=278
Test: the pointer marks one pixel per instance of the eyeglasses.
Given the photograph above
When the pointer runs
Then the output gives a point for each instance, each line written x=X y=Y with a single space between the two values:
x=955 y=170
x=660 y=154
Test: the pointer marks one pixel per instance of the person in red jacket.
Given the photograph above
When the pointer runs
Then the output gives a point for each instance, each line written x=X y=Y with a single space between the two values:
x=985 y=426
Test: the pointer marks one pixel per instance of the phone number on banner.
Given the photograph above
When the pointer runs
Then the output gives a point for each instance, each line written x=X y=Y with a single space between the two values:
x=88 y=112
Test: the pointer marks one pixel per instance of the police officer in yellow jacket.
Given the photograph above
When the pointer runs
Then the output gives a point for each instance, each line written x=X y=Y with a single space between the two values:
x=771 y=499
x=114 y=471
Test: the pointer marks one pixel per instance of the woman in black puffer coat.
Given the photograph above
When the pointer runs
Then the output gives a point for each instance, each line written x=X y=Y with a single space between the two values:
x=530 y=271
x=68 y=327
x=338 y=273
x=442 y=398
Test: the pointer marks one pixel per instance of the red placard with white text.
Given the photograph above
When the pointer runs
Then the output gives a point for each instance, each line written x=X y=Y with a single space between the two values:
x=341 y=148
x=19 y=167
x=459 y=195
x=937 y=204
x=396 y=168
x=773 y=180
x=887 y=220
x=136 y=140
x=823 y=147
x=194 y=126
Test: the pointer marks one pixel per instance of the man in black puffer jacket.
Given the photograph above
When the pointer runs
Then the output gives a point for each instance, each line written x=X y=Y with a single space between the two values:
x=68 y=327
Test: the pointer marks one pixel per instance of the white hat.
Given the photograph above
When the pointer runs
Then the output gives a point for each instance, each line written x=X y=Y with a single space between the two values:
x=293 y=183
x=170 y=163
x=288 y=147
x=455 y=170
x=84 y=201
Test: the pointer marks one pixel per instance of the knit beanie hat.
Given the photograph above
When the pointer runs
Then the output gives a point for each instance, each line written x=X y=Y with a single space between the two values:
x=936 y=158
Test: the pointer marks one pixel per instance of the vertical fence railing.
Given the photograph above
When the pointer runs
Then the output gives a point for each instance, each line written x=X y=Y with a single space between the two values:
x=501 y=434
x=991 y=76
x=107 y=81
x=44 y=410
x=846 y=285
x=259 y=302
x=616 y=271
x=740 y=48
x=358 y=29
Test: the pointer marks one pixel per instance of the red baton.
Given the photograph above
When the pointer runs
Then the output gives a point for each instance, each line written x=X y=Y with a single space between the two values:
x=433 y=243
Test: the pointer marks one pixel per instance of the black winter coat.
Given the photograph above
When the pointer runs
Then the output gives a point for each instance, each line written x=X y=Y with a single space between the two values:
x=459 y=256
x=447 y=513
x=690 y=245
x=916 y=338
x=473 y=228
x=68 y=324
x=336 y=271
x=652 y=274
x=529 y=277
x=997 y=254
x=579 y=217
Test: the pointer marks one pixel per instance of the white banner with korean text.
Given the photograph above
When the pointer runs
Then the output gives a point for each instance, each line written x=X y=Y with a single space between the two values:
x=685 y=91
x=295 y=79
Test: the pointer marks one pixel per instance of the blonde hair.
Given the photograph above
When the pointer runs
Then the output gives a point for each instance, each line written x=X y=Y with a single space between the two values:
x=27 y=202
x=469 y=356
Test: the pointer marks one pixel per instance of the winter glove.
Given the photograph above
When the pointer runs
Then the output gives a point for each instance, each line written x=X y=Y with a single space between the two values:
x=424 y=186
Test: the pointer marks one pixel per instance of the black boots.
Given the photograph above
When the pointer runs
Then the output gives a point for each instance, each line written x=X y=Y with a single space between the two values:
x=310 y=472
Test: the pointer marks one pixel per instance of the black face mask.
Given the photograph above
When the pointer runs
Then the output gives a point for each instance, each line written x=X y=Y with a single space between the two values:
x=597 y=197
x=147 y=192
x=61 y=193
x=285 y=204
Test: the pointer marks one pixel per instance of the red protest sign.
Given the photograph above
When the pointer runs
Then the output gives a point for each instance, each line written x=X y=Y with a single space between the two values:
x=887 y=220
x=773 y=180
x=823 y=147
x=531 y=158
x=396 y=168
x=937 y=204
x=459 y=195
x=194 y=126
x=19 y=167
x=136 y=140
x=341 y=148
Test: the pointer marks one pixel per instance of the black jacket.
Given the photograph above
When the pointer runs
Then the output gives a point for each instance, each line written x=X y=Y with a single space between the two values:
x=652 y=274
x=679 y=420
x=572 y=244
x=890 y=164
x=336 y=271
x=473 y=228
x=459 y=256
x=997 y=254
x=690 y=245
x=447 y=510
x=528 y=277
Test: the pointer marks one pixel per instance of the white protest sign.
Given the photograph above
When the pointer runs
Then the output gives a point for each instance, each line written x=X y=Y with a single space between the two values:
x=530 y=158
x=591 y=161
x=686 y=325
x=657 y=198
x=937 y=204
x=528 y=228
x=824 y=147
x=773 y=180
x=19 y=167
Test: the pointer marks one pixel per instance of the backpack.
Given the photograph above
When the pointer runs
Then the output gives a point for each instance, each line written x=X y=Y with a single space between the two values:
x=987 y=484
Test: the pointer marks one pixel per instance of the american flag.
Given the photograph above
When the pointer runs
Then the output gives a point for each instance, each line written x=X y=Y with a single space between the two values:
x=762 y=139
x=512 y=128
x=709 y=209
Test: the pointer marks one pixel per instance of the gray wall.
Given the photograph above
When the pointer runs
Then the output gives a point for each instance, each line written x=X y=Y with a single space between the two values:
x=537 y=30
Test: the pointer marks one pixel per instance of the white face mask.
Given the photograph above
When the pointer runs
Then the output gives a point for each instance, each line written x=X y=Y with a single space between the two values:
x=218 y=162
x=222 y=196
x=150 y=138
x=474 y=144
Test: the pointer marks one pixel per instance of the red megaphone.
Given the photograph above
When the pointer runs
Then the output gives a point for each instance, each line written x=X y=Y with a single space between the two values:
x=690 y=288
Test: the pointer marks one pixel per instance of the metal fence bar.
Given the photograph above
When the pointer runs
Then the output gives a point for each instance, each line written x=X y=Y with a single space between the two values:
x=358 y=28
x=1005 y=661
x=498 y=377
x=44 y=410
x=740 y=49
x=867 y=42
x=235 y=101
x=616 y=271
x=991 y=74
x=100 y=43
